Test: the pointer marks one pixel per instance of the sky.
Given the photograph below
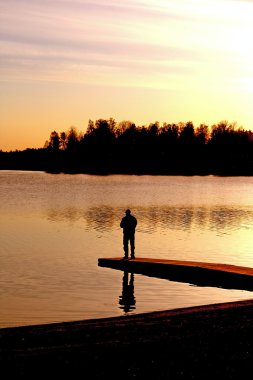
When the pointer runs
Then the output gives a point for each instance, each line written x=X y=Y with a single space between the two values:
x=63 y=62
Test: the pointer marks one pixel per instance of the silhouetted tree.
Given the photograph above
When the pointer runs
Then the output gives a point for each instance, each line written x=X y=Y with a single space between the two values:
x=63 y=140
x=72 y=139
x=202 y=134
x=54 y=141
x=122 y=126
x=187 y=134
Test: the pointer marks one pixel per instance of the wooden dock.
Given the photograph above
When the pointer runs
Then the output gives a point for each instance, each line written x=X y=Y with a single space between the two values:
x=193 y=272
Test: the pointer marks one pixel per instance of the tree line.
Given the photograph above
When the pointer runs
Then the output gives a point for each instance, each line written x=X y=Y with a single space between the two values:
x=108 y=147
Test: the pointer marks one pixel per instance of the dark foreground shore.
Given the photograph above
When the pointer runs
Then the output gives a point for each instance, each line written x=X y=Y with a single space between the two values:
x=191 y=343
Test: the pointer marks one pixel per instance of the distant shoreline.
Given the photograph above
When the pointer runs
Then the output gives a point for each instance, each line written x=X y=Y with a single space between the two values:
x=154 y=174
x=108 y=147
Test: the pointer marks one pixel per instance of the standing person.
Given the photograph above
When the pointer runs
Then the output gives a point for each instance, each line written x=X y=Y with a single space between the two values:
x=128 y=223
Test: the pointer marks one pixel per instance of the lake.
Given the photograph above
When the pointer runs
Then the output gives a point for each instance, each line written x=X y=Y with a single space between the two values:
x=54 y=227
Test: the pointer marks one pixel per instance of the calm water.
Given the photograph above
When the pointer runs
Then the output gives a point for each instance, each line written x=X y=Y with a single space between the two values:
x=55 y=227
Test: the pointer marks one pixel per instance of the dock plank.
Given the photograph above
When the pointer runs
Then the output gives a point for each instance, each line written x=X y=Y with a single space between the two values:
x=193 y=272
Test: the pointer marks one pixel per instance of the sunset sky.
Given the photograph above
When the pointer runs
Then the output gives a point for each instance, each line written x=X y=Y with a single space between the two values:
x=64 y=62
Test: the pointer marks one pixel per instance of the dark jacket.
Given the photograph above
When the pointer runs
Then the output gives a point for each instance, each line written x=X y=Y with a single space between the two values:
x=128 y=223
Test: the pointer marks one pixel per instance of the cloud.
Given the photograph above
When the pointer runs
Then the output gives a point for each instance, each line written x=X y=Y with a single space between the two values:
x=116 y=42
x=40 y=37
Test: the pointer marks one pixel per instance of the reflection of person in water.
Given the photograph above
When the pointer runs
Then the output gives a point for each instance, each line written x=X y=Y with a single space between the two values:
x=127 y=299
x=128 y=223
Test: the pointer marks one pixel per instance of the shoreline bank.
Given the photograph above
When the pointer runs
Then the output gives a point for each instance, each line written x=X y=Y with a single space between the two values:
x=187 y=343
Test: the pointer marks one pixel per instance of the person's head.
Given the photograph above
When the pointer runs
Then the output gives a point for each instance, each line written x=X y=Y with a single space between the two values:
x=128 y=212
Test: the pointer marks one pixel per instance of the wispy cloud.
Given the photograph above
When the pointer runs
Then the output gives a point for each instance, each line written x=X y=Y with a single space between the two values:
x=40 y=37
x=69 y=40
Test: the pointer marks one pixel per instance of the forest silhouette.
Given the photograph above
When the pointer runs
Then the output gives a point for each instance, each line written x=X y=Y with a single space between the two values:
x=108 y=147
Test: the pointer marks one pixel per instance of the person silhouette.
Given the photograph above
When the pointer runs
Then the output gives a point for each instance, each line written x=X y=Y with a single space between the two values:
x=128 y=223
x=127 y=299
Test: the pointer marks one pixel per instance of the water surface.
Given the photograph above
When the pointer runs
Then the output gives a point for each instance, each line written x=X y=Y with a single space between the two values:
x=55 y=227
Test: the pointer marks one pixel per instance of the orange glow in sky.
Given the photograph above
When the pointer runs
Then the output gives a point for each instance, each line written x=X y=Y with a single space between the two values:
x=64 y=62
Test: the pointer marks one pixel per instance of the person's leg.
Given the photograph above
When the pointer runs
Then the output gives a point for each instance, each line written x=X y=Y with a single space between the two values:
x=132 y=246
x=125 y=245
